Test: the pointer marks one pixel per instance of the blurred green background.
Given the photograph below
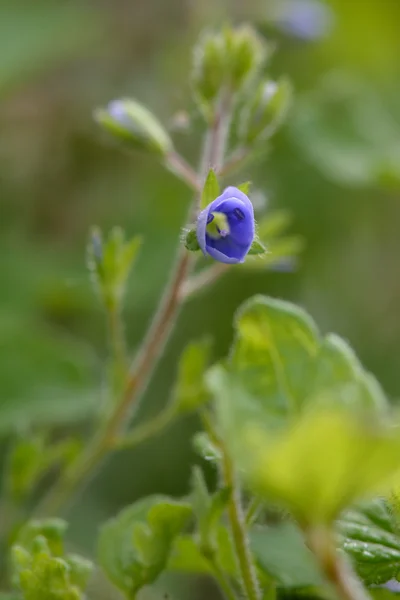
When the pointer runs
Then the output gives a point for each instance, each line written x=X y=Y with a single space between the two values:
x=335 y=165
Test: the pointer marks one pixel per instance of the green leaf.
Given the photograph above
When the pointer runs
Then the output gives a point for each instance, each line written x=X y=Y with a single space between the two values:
x=190 y=391
x=276 y=343
x=211 y=189
x=134 y=547
x=40 y=569
x=205 y=448
x=339 y=373
x=344 y=456
x=265 y=111
x=245 y=187
x=110 y=263
x=257 y=248
x=368 y=535
x=280 y=551
x=186 y=556
x=30 y=458
x=208 y=509
x=52 y=530
x=24 y=466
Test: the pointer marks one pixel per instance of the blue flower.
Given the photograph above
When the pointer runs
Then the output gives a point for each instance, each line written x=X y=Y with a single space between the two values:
x=225 y=229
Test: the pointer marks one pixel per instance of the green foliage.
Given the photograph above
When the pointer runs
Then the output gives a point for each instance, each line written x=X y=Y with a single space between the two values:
x=134 y=547
x=279 y=248
x=223 y=60
x=190 y=392
x=30 y=458
x=280 y=371
x=211 y=189
x=47 y=33
x=369 y=535
x=265 y=111
x=130 y=122
x=344 y=127
x=208 y=510
x=110 y=263
x=281 y=552
x=273 y=352
x=257 y=248
x=41 y=571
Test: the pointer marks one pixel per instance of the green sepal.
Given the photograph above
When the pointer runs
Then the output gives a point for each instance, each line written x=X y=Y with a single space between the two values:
x=211 y=190
x=190 y=241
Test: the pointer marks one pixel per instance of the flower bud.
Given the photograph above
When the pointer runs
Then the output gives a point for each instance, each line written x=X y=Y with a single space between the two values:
x=131 y=122
x=226 y=60
x=266 y=110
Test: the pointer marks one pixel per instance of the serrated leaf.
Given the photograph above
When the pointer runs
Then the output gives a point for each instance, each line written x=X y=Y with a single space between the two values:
x=257 y=248
x=211 y=190
x=340 y=375
x=273 y=352
x=368 y=536
x=190 y=391
x=280 y=551
x=341 y=455
x=135 y=546
x=245 y=187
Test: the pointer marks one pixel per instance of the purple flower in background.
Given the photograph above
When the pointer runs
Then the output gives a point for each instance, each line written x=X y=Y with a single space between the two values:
x=225 y=229
x=305 y=19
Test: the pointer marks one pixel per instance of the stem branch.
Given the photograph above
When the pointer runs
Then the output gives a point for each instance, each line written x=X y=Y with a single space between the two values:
x=335 y=569
x=154 y=342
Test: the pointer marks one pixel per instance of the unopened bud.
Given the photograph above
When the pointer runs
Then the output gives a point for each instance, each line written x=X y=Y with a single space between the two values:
x=129 y=121
x=266 y=111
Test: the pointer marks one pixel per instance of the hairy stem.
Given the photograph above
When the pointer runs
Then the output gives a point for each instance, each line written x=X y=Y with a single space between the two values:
x=178 y=165
x=152 y=347
x=239 y=533
x=236 y=517
x=335 y=569
x=204 y=278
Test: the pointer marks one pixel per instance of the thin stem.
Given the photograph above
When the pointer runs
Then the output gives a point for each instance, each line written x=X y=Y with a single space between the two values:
x=222 y=580
x=146 y=430
x=253 y=511
x=206 y=277
x=150 y=351
x=239 y=534
x=244 y=558
x=116 y=335
x=335 y=569
x=235 y=161
x=178 y=165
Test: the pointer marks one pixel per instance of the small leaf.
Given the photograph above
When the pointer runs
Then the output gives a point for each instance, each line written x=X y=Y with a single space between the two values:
x=257 y=248
x=211 y=190
x=134 y=547
x=190 y=391
x=205 y=448
x=245 y=187
x=24 y=466
x=208 y=509
x=110 y=262
x=368 y=536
